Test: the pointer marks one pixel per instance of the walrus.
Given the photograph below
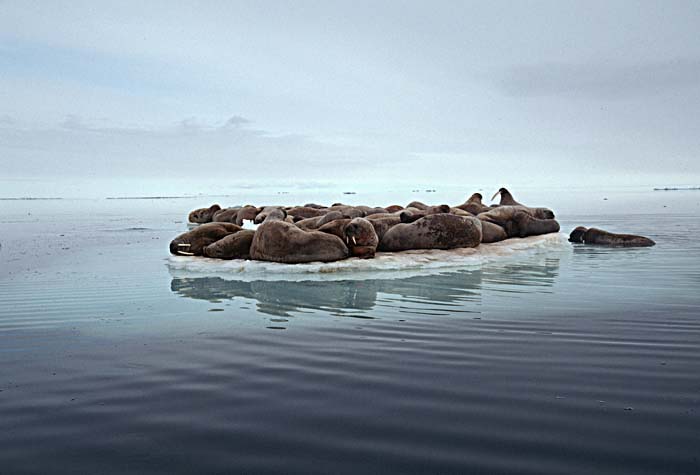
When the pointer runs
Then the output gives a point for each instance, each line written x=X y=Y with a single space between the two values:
x=517 y=222
x=416 y=204
x=605 y=238
x=577 y=234
x=193 y=242
x=247 y=213
x=474 y=205
x=361 y=238
x=317 y=222
x=335 y=227
x=279 y=241
x=233 y=246
x=508 y=200
x=491 y=232
x=203 y=215
x=226 y=215
x=460 y=212
x=435 y=231
x=348 y=211
x=383 y=224
x=303 y=212
x=265 y=212
x=371 y=209
x=393 y=208
x=409 y=216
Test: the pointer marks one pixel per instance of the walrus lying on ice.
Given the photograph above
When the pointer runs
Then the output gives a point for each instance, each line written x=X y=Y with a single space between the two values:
x=296 y=234
x=279 y=241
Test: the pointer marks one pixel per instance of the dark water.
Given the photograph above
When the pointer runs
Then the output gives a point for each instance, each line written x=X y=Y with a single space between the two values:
x=585 y=360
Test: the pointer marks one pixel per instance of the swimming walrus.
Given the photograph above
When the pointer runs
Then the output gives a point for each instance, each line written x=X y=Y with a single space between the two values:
x=203 y=215
x=279 y=241
x=193 y=242
x=435 y=231
x=605 y=238
x=233 y=246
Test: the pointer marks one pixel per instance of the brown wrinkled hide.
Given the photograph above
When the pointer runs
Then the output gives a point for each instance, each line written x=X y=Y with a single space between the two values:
x=491 y=232
x=233 y=246
x=203 y=215
x=194 y=241
x=226 y=215
x=247 y=213
x=279 y=241
x=517 y=222
x=435 y=231
x=361 y=238
x=474 y=205
x=383 y=224
x=605 y=238
x=303 y=212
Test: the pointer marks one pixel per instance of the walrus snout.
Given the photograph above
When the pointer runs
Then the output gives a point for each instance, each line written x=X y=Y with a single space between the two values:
x=577 y=234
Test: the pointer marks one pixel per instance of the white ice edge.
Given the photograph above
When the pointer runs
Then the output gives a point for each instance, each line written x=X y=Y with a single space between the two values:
x=383 y=266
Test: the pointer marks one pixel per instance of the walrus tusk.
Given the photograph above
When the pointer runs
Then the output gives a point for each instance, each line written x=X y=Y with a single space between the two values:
x=354 y=241
x=184 y=245
x=494 y=196
x=185 y=253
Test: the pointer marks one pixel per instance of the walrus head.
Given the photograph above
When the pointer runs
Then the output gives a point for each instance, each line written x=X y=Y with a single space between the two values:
x=476 y=198
x=272 y=213
x=203 y=215
x=506 y=198
x=577 y=234
x=361 y=238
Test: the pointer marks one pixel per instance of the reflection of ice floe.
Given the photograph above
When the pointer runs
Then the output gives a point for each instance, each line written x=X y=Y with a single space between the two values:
x=384 y=265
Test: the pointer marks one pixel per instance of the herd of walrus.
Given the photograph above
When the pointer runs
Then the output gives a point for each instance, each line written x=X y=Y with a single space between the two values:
x=316 y=233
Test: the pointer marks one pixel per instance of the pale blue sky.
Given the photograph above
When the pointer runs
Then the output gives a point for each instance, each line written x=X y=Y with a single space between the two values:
x=351 y=92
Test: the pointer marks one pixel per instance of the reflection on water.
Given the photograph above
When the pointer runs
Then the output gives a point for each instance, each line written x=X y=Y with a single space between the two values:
x=573 y=360
x=444 y=292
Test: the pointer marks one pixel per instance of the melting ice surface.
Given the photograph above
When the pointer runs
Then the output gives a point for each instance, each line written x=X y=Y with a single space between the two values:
x=384 y=265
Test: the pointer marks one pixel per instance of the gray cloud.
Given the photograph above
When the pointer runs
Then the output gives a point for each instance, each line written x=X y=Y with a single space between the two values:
x=363 y=91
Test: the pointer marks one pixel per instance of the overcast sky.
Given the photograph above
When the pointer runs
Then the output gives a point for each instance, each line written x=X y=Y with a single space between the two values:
x=352 y=92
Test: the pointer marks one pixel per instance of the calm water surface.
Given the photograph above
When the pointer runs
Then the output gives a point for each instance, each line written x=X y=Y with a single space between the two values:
x=578 y=360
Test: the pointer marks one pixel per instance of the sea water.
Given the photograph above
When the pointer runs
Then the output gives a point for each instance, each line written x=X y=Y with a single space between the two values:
x=533 y=357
